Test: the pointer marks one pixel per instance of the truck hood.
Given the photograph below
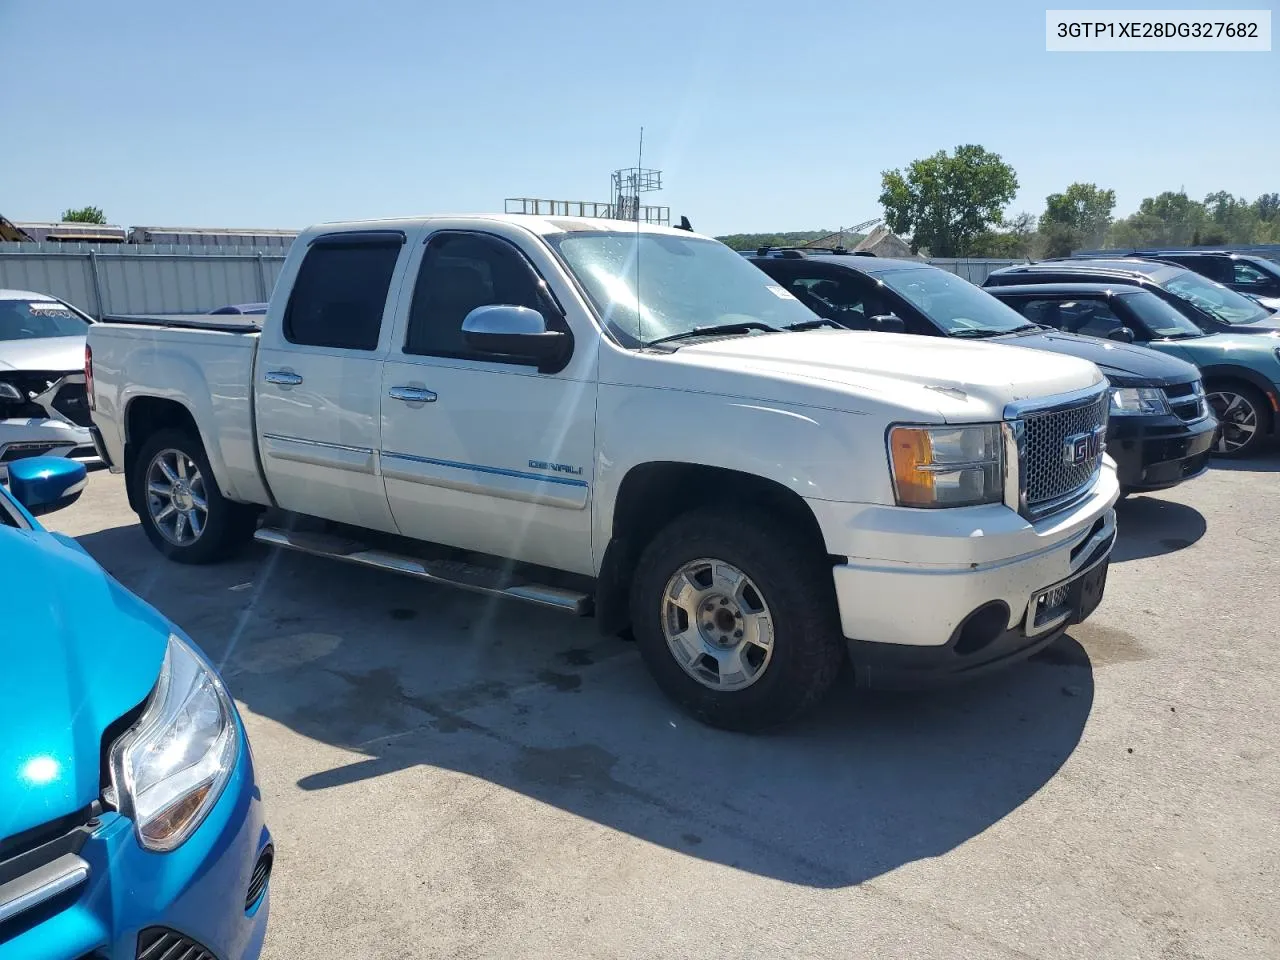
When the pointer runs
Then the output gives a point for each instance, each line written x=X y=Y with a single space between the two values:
x=1124 y=364
x=59 y=354
x=78 y=652
x=959 y=381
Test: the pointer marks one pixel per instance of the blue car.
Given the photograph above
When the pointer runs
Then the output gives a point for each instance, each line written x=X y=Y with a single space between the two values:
x=131 y=823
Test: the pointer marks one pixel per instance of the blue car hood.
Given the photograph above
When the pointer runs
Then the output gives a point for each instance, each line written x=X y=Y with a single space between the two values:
x=77 y=652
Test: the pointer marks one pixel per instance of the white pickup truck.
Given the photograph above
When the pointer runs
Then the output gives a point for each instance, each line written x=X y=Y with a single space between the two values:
x=633 y=423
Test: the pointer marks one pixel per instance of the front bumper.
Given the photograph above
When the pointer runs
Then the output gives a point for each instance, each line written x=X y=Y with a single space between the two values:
x=913 y=578
x=1154 y=453
x=197 y=891
x=39 y=437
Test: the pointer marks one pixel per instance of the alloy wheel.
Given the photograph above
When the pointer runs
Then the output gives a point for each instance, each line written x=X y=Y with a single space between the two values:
x=717 y=625
x=1239 y=419
x=176 y=498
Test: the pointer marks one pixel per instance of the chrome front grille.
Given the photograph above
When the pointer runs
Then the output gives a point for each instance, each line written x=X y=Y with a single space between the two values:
x=1186 y=400
x=1060 y=451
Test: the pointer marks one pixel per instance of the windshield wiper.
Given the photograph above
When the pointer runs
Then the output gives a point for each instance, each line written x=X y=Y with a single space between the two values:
x=814 y=324
x=745 y=326
x=976 y=333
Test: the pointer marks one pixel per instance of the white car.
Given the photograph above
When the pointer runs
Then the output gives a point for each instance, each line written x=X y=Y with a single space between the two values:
x=635 y=423
x=43 y=407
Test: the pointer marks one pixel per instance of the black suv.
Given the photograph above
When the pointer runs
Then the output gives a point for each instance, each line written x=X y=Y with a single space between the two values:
x=1242 y=272
x=1210 y=306
x=1161 y=430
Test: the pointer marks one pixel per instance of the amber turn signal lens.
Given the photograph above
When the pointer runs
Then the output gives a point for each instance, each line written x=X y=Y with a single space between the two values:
x=911 y=449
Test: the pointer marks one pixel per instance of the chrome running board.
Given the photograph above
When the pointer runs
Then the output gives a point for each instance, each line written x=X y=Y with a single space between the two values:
x=494 y=583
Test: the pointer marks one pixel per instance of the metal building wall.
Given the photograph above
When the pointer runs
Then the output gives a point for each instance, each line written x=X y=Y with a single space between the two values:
x=975 y=270
x=106 y=279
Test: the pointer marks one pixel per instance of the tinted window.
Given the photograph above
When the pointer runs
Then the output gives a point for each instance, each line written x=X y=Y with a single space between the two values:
x=339 y=295
x=846 y=299
x=1090 y=318
x=954 y=304
x=37 y=319
x=1214 y=299
x=462 y=271
x=1246 y=274
x=1162 y=320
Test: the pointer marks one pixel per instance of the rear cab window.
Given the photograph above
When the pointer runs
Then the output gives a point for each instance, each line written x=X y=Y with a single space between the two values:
x=340 y=292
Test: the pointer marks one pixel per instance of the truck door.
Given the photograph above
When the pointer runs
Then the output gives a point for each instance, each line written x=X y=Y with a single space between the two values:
x=479 y=451
x=318 y=376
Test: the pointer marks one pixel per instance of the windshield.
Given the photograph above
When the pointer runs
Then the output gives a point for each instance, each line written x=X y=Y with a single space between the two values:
x=954 y=304
x=1214 y=299
x=38 y=319
x=1162 y=320
x=684 y=283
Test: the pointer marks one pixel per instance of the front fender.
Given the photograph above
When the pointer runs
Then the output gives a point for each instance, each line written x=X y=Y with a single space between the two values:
x=818 y=453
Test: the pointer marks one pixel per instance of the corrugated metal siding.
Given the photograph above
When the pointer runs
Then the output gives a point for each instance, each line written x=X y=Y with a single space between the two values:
x=105 y=278
x=975 y=270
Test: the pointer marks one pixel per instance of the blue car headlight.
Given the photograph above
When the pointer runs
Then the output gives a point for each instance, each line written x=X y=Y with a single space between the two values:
x=169 y=768
x=1137 y=400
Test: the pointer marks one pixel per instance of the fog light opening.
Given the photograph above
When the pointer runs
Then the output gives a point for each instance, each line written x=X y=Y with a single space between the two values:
x=982 y=627
x=261 y=874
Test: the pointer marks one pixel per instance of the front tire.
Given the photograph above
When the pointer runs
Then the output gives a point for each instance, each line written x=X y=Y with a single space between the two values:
x=181 y=509
x=1244 y=416
x=735 y=617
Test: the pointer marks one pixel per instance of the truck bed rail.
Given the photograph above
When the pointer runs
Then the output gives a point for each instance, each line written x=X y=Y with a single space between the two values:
x=242 y=323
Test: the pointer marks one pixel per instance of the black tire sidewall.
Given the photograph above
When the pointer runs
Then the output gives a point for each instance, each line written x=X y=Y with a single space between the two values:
x=795 y=586
x=225 y=521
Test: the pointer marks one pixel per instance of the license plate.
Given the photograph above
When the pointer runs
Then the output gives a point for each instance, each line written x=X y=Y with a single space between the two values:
x=1087 y=591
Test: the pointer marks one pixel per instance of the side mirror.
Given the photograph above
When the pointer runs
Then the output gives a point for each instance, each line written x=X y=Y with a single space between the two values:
x=45 y=484
x=887 y=323
x=1123 y=334
x=519 y=332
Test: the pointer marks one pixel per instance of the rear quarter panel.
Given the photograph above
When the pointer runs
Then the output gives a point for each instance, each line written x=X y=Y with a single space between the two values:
x=207 y=372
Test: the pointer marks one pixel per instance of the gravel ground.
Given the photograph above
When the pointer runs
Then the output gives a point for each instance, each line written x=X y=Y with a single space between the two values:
x=448 y=776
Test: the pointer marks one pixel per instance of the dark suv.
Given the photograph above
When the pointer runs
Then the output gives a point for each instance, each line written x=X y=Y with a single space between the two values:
x=1210 y=306
x=1256 y=277
x=1161 y=430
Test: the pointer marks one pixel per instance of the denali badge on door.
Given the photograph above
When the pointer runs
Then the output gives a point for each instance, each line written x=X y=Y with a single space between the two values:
x=1080 y=448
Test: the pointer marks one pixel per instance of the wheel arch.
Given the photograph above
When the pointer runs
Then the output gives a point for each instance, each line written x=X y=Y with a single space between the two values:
x=653 y=494
x=144 y=416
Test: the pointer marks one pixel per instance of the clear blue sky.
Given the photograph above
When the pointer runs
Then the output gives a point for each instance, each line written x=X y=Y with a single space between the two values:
x=763 y=116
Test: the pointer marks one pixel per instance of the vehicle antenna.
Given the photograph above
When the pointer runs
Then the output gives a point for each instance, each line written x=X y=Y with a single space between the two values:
x=639 y=166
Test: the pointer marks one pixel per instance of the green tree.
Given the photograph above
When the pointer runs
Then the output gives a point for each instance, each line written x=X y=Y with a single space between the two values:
x=1017 y=242
x=946 y=201
x=1233 y=220
x=1167 y=220
x=1267 y=207
x=1077 y=217
x=84 y=215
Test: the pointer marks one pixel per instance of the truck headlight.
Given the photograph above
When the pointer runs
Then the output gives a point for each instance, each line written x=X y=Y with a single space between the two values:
x=1129 y=401
x=947 y=466
x=169 y=768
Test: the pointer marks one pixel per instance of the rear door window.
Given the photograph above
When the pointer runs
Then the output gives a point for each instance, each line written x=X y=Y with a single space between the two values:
x=341 y=291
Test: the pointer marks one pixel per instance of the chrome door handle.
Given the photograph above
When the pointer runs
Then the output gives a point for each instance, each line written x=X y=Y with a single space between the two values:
x=284 y=378
x=412 y=394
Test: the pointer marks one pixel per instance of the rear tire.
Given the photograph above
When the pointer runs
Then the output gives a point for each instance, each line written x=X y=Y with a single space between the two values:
x=181 y=509
x=779 y=589
x=1244 y=415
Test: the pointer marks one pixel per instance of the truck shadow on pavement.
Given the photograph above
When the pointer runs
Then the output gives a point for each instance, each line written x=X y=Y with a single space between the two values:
x=1151 y=527
x=401 y=675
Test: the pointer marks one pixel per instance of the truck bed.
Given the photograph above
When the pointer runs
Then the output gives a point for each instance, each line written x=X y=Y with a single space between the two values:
x=202 y=365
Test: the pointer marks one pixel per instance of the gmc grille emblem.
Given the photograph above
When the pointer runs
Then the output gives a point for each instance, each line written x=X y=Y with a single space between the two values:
x=1081 y=448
